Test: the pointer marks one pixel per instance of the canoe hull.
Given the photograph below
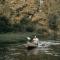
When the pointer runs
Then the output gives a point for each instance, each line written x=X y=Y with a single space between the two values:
x=30 y=46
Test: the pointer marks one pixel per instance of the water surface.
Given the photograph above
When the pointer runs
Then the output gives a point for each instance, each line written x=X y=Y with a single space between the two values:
x=46 y=50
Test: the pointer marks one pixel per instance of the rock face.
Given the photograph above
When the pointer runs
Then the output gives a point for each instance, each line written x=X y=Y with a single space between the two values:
x=36 y=10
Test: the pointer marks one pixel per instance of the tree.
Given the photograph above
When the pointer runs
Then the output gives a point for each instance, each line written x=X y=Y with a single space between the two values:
x=53 y=21
x=4 y=24
x=53 y=24
x=24 y=23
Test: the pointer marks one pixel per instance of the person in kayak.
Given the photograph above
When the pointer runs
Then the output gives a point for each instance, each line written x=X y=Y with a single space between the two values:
x=35 y=40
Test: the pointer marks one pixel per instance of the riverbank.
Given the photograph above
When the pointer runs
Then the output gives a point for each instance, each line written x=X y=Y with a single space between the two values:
x=20 y=37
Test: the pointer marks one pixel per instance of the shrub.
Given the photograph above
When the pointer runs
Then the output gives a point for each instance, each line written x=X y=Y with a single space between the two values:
x=4 y=24
x=53 y=21
x=30 y=28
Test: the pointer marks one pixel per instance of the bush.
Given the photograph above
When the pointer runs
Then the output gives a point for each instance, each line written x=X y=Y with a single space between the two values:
x=4 y=24
x=30 y=28
x=41 y=31
x=25 y=25
x=53 y=21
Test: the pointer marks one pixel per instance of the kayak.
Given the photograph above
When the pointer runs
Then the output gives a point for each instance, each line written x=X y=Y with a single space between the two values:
x=30 y=46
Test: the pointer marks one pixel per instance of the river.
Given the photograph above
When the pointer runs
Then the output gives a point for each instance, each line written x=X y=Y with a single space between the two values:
x=46 y=50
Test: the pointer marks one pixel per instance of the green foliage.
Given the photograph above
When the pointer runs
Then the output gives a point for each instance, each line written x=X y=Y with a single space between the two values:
x=41 y=31
x=30 y=28
x=53 y=21
x=25 y=20
x=4 y=24
x=25 y=25
x=2 y=1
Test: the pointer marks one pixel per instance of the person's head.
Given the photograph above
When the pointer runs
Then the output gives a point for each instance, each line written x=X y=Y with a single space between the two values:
x=35 y=36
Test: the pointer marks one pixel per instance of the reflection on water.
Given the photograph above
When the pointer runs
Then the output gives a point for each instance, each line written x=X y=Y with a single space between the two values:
x=46 y=50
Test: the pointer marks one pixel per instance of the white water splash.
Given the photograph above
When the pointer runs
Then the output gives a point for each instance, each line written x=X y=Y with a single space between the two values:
x=48 y=43
x=44 y=47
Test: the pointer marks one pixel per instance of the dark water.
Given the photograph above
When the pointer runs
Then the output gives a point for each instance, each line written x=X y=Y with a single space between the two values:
x=46 y=50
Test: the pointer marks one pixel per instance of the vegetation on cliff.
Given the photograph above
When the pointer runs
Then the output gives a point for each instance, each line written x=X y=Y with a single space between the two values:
x=29 y=15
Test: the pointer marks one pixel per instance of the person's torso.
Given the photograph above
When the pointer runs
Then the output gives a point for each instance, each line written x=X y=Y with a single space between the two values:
x=35 y=40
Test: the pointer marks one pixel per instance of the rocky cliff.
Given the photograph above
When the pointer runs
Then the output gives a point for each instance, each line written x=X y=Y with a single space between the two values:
x=36 y=10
